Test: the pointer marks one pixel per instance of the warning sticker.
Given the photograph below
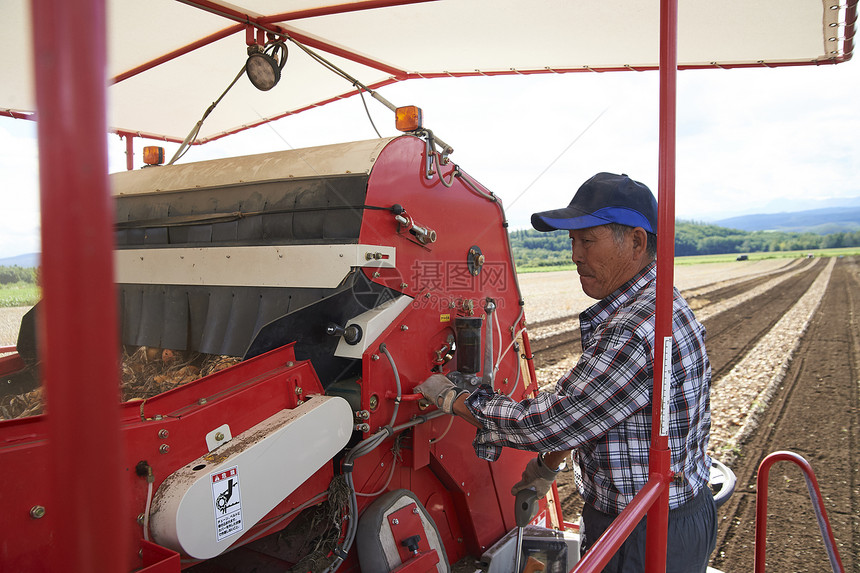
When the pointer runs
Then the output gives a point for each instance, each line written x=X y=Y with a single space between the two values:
x=227 y=502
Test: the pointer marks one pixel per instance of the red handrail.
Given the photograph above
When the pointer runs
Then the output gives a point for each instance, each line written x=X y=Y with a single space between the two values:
x=616 y=534
x=817 y=504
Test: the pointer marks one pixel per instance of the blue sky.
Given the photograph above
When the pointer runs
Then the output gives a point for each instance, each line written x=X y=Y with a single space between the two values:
x=762 y=140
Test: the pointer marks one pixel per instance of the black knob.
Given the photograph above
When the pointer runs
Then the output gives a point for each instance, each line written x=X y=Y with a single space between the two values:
x=411 y=543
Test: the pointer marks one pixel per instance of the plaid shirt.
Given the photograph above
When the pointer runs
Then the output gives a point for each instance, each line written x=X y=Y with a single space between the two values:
x=601 y=408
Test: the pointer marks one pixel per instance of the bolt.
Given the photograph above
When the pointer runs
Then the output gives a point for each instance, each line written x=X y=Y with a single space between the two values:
x=373 y=402
x=162 y=433
x=298 y=390
x=403 y=285
x=374 y=357
x=376 y=275
x=219 y=436
x=37 y=512
x=426 y=295
x=164 y=448
x=289 y=364
x=415 y=510
x=201 y=401
x=404 y=328
x=158 y=417
x=395 y=521
x=140 y=518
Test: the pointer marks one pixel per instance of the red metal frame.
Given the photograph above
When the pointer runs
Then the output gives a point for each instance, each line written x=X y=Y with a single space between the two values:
x=81 y=388
x=815 y=497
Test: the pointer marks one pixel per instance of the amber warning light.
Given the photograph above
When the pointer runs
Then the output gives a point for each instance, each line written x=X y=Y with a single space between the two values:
x=408 y=118
x=153 y=155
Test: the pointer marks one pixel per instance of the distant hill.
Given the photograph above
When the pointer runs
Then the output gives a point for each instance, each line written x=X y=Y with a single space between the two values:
x=820 y=221
x=25 y=261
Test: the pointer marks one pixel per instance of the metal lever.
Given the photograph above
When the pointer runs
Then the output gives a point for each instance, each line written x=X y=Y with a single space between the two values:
x=525 y=508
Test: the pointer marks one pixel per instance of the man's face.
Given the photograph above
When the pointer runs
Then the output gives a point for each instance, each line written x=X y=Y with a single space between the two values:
x=603 y=263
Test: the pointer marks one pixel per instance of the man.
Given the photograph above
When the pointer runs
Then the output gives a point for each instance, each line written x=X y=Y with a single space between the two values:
x=601 y=409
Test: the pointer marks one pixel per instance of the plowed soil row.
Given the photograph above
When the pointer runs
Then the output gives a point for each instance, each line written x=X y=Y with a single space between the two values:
x=730 y=334
x=815 y=413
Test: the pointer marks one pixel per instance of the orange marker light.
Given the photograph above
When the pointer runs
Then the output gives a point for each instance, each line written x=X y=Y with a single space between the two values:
x=408 y=118
x=153 y=155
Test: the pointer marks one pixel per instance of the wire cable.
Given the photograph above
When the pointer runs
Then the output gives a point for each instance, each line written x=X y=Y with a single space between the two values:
x=192 y=136
x=367 y=111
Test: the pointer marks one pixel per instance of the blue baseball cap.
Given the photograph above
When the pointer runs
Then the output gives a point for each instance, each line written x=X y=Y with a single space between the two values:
x=605 y=198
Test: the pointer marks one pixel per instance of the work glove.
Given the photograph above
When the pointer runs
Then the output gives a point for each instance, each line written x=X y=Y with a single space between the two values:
x=536 y=476
x=440 y=391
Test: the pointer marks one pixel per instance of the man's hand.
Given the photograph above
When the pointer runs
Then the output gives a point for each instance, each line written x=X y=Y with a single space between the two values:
x=441 y=391
x=536 y=476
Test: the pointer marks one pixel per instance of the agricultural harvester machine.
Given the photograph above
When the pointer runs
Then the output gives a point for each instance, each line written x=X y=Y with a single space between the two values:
x=318 y=286
x=264 y=319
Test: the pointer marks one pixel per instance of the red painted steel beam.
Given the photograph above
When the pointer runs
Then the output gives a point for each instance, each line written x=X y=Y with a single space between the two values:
x=79 y=302
x=267 y=23
x=176 y=53
x=145 y=135
x=18 y=114
x=850 y=30
x=346 y=54
x=129 y=151
x=659 y=456
x=338 y=9
x=201 y=141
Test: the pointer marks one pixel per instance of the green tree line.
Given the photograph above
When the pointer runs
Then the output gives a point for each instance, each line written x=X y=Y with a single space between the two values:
x=535 y=249
x=16 y=274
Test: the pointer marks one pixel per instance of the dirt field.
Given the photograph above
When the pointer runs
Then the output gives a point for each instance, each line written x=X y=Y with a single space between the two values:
x=778 y=384
x=816 y=414
x=812 y=409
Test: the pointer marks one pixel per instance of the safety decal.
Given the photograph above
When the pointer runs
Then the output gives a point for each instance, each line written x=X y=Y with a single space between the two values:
x=444 y=318
x=227 y=502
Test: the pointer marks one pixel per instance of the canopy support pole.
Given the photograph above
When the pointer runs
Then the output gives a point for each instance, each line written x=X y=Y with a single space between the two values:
x=660 y=456
x=78 y=323
x=129 y=151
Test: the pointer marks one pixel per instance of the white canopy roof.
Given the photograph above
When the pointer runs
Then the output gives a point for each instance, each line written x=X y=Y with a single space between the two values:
x=168 y=60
